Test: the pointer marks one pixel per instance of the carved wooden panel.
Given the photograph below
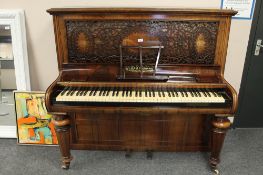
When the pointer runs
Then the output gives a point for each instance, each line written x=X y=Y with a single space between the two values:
x=98 y=41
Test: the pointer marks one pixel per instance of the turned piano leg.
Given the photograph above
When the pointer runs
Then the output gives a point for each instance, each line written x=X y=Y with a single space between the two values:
x=62 y=126
x=220 y=126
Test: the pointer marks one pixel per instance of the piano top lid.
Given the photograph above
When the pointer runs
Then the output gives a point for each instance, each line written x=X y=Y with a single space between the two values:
x=183 y=11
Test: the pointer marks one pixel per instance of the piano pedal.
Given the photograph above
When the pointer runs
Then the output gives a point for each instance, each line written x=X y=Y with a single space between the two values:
x=128 y=153
x=149 y=154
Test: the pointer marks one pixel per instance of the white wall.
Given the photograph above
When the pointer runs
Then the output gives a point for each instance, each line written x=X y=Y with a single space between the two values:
x=41 y=42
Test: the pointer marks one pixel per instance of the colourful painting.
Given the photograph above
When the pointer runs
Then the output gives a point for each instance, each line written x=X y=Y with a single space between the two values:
x=34 y=124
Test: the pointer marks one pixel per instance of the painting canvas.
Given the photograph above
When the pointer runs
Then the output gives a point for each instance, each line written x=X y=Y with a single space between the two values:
x=34 y=124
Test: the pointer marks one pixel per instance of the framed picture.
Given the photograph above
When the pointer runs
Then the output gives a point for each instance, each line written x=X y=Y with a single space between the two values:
x=244 y=8
x=34 y=124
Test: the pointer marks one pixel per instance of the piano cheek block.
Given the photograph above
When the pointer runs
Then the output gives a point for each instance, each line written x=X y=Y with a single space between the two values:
x=141 y=80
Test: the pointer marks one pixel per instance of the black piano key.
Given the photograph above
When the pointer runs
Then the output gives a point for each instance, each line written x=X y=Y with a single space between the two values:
x=113 y=93
x=191 y=92
x=169 y=92
x=198 y=92
x=159 y=92
x=73 y=91
x=194 y=92
x=203 y=92
x=104 y=91
x=130 y=91
x=218 y=94
x=213 y=92
x=136 y=92
x=100 y=91
x=185 y=92
x=85 y=91
x=153 y=91
x=175 y=91
x=163 y=91
x=95 y=91
x=140 y=92
x=118 y=91
x=207 y=92
x=69 y=90
x=91 y=91
x=123 y=91
x=172 y=92
x=81 y=91
x=127 y=92
x=64 y=90
x=145 y=92
x=181 y=92
x=108 y=91
x=77 y=91
x=149 y=92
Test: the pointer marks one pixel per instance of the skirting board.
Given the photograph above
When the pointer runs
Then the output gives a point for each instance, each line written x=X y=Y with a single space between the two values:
x=8 y=132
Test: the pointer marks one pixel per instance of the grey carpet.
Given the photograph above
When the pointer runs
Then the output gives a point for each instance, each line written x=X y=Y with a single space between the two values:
x=242 y=155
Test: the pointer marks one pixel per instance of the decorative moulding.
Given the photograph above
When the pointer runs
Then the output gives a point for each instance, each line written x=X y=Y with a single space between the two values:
x=16 y=20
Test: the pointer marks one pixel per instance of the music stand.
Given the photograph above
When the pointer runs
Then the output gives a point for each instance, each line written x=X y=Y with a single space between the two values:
x=140 y=48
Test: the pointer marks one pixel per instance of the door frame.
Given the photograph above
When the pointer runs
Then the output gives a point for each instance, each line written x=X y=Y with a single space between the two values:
x=16 y=19
x=250 y=51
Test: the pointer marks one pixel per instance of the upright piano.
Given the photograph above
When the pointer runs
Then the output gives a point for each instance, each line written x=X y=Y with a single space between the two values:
x=141 y=79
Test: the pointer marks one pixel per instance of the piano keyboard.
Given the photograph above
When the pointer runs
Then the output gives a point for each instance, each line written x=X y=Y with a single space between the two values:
x=140 y=95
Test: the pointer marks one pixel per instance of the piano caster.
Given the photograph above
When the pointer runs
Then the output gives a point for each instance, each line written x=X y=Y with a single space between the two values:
x=149 y=155
x=65 y=167
x=215 y=171
x=66 y=162
x=128 y=153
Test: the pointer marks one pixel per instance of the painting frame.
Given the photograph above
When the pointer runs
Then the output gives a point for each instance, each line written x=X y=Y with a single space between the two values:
x=40 y=96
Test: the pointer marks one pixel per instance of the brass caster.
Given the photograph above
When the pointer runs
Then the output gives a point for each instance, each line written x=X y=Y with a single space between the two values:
x=65 y=167
x=215 y=171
